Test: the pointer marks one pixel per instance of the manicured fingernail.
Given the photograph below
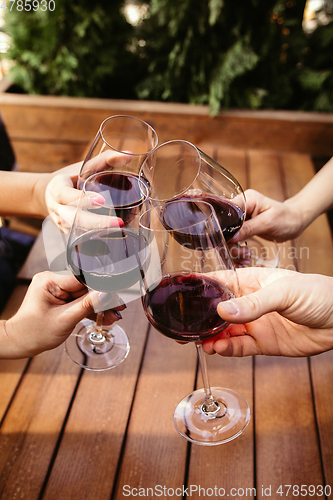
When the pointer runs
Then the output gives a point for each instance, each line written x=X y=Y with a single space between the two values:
x=122 y=303
x=117 y=223
x=230 y=307
x=117 y=313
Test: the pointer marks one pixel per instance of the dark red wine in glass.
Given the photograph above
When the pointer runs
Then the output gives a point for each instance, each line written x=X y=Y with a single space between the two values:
x=229 y=215
x=124 y=190
x=183 y=307
x=105 y=260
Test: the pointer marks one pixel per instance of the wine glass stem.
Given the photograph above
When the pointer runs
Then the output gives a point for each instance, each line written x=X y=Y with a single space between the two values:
x=209 y=406
x=99 y=321
x=97 y=335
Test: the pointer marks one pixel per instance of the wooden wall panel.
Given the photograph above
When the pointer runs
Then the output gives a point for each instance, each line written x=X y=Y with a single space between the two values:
x=68 y=124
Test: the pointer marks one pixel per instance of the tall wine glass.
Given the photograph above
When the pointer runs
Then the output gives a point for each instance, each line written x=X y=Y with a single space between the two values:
x=179 y=170
x=122 y=143
x=102 y=254
x=255 y=252
x=189 y=273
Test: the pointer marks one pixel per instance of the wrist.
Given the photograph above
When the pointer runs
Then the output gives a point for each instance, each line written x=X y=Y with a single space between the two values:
x=9 y=347
x=301 y=213
x=41 y=183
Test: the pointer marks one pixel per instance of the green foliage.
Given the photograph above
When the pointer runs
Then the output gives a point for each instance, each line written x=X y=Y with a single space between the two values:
x=248 y=54
x=220 y=52
x=224 y=53
x=315 y=76
x=78 y=49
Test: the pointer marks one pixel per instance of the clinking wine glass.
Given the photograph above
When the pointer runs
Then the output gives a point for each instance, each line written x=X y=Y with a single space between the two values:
x=122 y=143
x=179 y=170
x=255 y=252
x=102 y=254
x=189 y=273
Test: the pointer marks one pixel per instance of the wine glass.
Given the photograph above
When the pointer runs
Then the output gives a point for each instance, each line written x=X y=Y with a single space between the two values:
x=179 y=170
x=102 y=254
x=122 y=143
x=255 y=252
x=188 y=274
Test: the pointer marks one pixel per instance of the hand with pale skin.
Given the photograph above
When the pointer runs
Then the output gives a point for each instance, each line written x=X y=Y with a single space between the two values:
x=38 y=195
x=51 y=308
x=61 y=195
x=282 y=221
x=279 y=313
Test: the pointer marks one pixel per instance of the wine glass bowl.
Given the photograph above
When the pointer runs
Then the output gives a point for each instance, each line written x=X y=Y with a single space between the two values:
x=102 y=254
x=179 y=170
x=121 y=143
x=188 y=273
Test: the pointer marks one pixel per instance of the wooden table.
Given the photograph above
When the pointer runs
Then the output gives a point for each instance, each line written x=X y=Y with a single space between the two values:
x=69 y=434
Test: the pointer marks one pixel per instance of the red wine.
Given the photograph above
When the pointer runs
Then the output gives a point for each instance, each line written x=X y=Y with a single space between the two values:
x=120 y=189
x=229 y=215
x=183 y=307
x=106 y=260
x=187 y=221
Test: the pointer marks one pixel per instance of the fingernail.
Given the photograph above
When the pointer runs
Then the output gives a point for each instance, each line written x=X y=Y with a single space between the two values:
x=117 y=313
x=102 y=296
x=230 y=307
x=122 y=303
x=117 y=223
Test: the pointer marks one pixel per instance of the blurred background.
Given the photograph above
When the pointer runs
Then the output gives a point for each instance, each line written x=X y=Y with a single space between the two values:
x=253 y=54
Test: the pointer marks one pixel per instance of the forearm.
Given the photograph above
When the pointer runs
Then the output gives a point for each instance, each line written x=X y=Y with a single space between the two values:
x=23 y=193
x=10 y=348
x=316 y=197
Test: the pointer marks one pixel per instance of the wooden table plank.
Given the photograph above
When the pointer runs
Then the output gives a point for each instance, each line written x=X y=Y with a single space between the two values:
x=322 y=376
x=233 y=460
x=30 y=430
x=86 y=463
x=287 y=449
x=155 y=454
x=285 y=419
x=315 y=249
x=11 y=370
x=229 y=466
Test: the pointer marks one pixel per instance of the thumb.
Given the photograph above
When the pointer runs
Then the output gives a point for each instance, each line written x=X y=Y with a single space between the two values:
x=75 y=311
x=250 y=227
x=250 y=307
x=89 y=303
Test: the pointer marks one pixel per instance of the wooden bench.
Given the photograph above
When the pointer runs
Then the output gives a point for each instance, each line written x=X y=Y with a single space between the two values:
x=50 y=132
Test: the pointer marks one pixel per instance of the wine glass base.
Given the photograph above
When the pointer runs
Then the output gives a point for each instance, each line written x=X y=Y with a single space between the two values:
x=222 y=426
x=93 y=356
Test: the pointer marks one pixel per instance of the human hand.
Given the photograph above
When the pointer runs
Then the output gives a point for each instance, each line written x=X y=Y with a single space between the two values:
x=271 y=219
x=280 y=313
x=62 y=193
x=53 y=305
